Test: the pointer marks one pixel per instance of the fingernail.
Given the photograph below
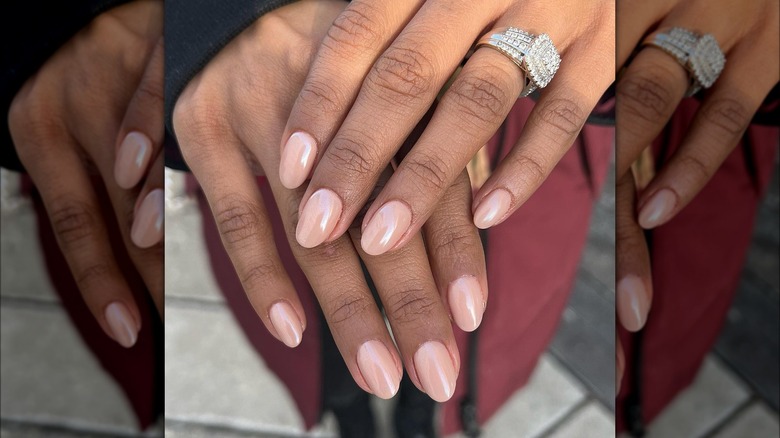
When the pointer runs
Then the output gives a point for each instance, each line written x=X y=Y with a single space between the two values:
x=378 y=368
x=131 y=159
x=435 y=370
x=122 y=324
x=286 y=323
x=149 y=219
x=632 y=303
x=657 y=209
x=318 y=218
x=297 y=159
x=386 y=228
x=466 y=303
x=492 y=209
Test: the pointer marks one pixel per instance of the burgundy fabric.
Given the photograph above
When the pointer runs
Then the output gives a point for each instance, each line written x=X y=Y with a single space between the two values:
x=136 y=370
x=532 y=262
x=697 y=261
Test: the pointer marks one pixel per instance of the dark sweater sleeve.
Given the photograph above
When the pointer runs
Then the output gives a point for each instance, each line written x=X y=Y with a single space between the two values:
x=32 y=30
x=195 y=31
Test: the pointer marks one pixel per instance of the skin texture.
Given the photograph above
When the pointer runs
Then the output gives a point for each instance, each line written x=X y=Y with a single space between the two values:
x=228 y=122
x=392 y=59
x=648 y=92
x=67 y=135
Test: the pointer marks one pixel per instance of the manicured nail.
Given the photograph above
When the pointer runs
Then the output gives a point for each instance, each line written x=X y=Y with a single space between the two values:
x=386 y=228
x=632 y=303
x=124 y=330
x=436 y=371
x=492 y=209
x=149 y=219
x=378 y=369
x=131 y=159
x=297 y=159
x=467 y=303
x=286 y=323
x=657 y=209
x=318 y=218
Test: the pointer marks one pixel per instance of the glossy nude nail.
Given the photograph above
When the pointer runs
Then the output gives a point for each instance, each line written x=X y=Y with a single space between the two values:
x=286 y=323
x=386 y=228
x=435 y=370
x=492 y=209
x=466 y=302
x=124 y=330
x=657 y=209
x=318 y=218
x=297 y=159
x=378 y=369
x=149 y=220
x=131 y=159
x=632 y=303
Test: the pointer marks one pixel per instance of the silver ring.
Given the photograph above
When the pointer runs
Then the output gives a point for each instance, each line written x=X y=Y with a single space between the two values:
x=535 y=55
x=700 y=55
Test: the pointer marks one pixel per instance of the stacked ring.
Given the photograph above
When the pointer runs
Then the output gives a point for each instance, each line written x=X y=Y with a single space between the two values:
x=700 y=55
x=535 y=55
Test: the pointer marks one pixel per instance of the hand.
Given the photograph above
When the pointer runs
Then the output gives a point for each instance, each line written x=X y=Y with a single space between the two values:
x=378 y=70
x=64 y=130
x=654 y=83
x=228 y=122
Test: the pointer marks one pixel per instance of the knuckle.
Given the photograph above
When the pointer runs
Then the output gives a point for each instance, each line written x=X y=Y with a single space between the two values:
x=727 y=115
x=529 y=168
x=453 y=240
x=92 y=274
x=237 y=220
x=351 y=156
x=73 y=221
x=646 y=95
x=411 y=304
x=199 y=116
x=355 y=29
x=259 y=274
x=430 y=172
x=402 y=75
x=697 y=168
x=320 y=98
x=149 y=92
x=346 y=306
x=562 y=118
x=482 y=100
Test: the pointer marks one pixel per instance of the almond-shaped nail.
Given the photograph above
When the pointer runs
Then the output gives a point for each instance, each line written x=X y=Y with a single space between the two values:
x=632 y=303
x=435 y=370
x=378 y=369
x=492 y=209
x=297 y=159
x=386 y=228
x=467 y=303
x=656 y=211
x=318 y=218
x=286 y=323
x=149 y=219
x=131 y=159
x=123 y=327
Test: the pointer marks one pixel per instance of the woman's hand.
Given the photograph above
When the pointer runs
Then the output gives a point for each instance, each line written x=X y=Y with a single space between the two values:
x=378 y=70
x=654 y=83
x=68 y=121
x=228 y=122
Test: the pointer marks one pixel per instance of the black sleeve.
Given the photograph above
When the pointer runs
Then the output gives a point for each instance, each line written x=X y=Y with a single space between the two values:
x=195 y=31
x=32 y=30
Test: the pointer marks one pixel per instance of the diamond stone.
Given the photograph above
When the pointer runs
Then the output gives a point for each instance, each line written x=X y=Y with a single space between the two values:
x=542 y=60
x=707 y=60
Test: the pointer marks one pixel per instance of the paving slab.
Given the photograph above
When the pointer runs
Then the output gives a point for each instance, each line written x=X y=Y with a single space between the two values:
x=50 y=378
x=756 y=421
x=712 y=398
x=591 y=420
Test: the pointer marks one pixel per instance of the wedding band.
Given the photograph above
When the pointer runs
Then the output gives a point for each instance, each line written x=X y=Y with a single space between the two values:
x=700 y=55
x=535 y=55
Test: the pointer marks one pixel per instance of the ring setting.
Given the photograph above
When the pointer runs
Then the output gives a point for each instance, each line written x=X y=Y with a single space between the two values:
x=699 y=54
x=535 y=55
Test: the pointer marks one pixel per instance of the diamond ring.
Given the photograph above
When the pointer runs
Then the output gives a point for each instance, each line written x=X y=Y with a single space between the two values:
x=699 y=54
x=535 y=55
